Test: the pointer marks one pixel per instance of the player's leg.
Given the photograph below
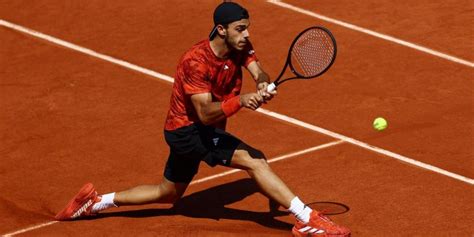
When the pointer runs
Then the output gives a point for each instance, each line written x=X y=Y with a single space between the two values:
x=309 y=222
x=227 y=150
x=165 y=192
x=181 y=166
x=87 y=202
x=179 y=171
x=254 y=162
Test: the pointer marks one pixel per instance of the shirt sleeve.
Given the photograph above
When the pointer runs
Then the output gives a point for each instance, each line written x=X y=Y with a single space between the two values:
x=195 y=77
x=248 y=55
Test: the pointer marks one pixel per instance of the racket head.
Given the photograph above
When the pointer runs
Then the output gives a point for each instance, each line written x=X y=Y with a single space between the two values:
x=312 y=52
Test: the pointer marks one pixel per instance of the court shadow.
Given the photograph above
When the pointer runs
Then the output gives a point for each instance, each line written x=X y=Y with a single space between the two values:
x=211 y=204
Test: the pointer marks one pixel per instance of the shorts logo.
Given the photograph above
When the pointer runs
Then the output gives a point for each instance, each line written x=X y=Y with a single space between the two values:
x=215 y=140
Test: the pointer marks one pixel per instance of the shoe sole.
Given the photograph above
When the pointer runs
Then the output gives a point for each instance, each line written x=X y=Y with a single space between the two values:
x=296 y=233
x=81 y=198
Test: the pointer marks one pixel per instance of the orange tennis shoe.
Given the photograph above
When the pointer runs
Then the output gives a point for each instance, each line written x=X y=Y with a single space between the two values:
x=80 y=205
x=319 y=225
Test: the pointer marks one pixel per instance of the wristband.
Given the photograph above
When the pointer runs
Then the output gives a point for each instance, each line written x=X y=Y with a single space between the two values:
x=231 y=106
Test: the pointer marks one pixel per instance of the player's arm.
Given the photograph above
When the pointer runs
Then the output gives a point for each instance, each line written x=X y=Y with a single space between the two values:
x=210 y=112
x=261 y=79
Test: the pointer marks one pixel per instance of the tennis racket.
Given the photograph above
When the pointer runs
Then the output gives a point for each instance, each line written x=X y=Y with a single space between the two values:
x=310 y=55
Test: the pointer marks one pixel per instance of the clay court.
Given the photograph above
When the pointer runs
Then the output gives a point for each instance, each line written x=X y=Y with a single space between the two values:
x=85 y=88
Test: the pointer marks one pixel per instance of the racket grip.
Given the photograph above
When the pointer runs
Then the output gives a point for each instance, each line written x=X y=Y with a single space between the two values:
x=271 y=87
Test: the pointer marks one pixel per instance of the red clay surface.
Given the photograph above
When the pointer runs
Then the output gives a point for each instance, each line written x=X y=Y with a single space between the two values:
x=68 y=118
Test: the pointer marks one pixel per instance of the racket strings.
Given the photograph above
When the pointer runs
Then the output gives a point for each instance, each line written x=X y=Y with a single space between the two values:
x=313 y=53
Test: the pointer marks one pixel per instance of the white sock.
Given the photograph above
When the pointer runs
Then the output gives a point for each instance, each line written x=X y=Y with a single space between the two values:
x=300 y=210
x=106 y=202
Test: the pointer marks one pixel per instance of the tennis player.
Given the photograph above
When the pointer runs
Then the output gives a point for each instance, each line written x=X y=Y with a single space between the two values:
x=206 y=92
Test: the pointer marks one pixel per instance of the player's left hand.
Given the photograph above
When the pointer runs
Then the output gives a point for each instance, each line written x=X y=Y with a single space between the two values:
x=262 y=91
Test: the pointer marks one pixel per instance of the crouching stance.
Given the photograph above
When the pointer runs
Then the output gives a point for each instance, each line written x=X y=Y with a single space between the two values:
x=206 y=91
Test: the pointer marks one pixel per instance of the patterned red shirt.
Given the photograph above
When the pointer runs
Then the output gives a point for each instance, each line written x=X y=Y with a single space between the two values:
x=201 y=71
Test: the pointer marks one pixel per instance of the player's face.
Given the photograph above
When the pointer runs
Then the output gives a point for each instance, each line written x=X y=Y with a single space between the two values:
x=238 y=34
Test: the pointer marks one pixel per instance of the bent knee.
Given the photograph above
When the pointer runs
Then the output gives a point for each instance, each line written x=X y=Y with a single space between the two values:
x=248 y=152
x=259 y=164
x=253 y=163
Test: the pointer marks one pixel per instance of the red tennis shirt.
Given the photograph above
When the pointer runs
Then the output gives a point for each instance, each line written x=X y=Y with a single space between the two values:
x=201 y=71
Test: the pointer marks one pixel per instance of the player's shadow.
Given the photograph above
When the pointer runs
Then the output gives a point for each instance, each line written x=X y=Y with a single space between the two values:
x=211 y=203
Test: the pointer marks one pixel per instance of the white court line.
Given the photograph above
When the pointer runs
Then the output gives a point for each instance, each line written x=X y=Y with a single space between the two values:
x=86 y=51
x=372 y=33
x=202 y=180
x=157 y=75
x=29 y=229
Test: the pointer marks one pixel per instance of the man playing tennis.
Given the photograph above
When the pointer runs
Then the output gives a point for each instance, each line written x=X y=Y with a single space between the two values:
x=206 y=91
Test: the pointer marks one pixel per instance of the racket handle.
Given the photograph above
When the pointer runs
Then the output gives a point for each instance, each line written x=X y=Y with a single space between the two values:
x=271 y=87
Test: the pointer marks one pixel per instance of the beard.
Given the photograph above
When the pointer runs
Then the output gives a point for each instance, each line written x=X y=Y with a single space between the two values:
x=235 y=45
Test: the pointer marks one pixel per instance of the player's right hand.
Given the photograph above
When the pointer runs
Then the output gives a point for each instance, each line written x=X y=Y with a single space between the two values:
x=262 y=90
x=251 y=100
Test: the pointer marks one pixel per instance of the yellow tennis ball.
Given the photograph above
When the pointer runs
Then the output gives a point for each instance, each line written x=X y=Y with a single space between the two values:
x=380 y=124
